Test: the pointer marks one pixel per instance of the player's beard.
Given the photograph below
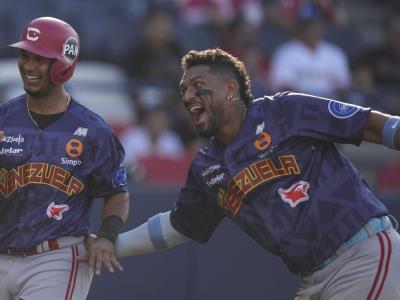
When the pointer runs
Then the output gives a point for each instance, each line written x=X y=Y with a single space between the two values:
x=39 y=93
x=216 y=120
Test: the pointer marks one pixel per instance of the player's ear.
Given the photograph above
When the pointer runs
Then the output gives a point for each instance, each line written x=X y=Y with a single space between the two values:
x=232 y=86
x=231 y=89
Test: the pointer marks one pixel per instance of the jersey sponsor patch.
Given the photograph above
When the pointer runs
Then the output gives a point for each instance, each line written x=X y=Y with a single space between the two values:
x=70 y=49
x=70 y=162
x=263 y=142
x=120 y=178
x=56 y=211
x=342 y=110
x=13 y=139
x=260 y=128
x=209 y=170
x=216 y=179
x=81 y=131
x=296 y=194
x=11 y=151
x=74 y=148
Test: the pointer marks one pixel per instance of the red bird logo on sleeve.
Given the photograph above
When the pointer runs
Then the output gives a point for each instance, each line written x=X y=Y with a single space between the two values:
x=296 y=194
x=55 y=210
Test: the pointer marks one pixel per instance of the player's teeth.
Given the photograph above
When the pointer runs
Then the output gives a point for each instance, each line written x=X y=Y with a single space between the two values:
x=194 y=108
x=30 y=77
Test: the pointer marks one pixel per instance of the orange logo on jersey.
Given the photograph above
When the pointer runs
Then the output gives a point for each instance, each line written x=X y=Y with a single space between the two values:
x=74 y=148
x=264 y=142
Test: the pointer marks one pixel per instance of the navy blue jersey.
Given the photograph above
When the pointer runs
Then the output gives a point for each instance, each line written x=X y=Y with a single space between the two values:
x=49 y=177
x=282 y=180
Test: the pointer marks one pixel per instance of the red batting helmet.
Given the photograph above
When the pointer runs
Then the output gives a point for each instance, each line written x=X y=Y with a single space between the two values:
x=54 y=39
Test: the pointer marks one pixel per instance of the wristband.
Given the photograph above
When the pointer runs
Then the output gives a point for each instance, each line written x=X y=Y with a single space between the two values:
x=390 y=129
x=156 y=234
x=110 y=228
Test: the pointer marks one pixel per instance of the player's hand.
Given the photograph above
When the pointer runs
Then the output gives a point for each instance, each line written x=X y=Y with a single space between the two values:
x=89 y=240
x=1 y=134
x=100 y=252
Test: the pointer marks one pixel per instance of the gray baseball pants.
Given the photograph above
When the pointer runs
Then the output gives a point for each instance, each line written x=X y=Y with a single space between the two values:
x=54 y=275
x=370 y=270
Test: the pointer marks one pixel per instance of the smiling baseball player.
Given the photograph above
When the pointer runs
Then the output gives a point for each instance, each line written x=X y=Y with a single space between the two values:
x=272 y=167
x=56 y=157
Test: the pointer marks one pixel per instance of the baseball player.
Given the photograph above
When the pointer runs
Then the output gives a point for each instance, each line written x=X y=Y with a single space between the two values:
x=56 y=157
x=272 y=167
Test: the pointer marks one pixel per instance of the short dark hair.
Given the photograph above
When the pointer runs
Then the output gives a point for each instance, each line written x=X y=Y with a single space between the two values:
x=221 y=61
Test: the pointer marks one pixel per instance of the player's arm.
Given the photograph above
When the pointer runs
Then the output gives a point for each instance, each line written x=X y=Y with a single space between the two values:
x=382 y=129
x=154 y=235
x=102 y=250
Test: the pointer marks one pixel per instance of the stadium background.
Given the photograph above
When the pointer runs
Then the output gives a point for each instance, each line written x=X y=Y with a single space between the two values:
x=110 y=81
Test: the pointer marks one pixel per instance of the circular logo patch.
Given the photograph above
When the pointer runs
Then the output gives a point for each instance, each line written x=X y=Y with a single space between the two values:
x=32 y=34
x=264 y=142
x=120 y=178
x=342 y=110
x=70 y=49
x=74 y=148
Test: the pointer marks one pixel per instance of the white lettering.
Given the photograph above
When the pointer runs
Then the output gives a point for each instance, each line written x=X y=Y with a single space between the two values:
x=71 y=50
x=11 y=139
x=210 y=170
x=66 y=48
x=72 y=162
x=81 y=131
x=268 y=152
x=215 y=179
x=11 y=150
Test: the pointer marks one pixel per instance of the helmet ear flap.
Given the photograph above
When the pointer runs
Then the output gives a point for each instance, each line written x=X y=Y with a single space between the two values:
x=59 y=74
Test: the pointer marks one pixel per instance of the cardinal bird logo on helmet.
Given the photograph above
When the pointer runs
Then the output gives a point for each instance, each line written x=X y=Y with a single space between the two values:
x=296 y=194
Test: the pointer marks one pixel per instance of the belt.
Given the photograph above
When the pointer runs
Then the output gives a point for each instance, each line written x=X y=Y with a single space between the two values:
x=373 y=226
x=43 y=247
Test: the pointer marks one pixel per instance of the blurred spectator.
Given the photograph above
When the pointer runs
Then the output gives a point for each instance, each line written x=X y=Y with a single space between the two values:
x=242 y=41
x=388 y=179
x=257 y=67
x=148 y=97
x=241 y=34
x=384 y=64
x=385 y=60
x=152 y=137
x=220 y=12
x=307 y=63
x=156 y=55
x=204 y=22
x=284 y=12
x=363 y=91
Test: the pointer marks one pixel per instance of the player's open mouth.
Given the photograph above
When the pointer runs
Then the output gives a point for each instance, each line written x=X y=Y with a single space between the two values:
x=31 y=78
x=197 y=111
x=195 y=108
